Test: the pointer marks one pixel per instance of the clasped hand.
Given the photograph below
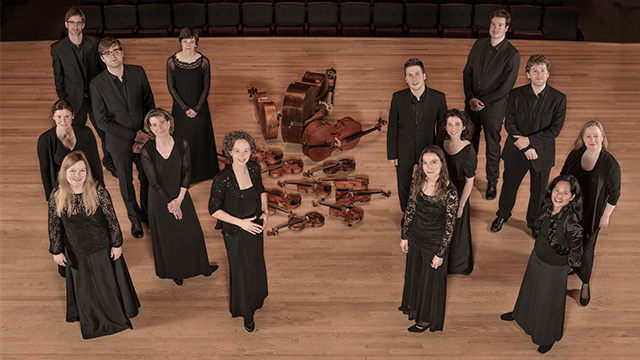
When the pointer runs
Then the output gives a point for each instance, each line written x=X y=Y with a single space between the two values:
x=174 y=207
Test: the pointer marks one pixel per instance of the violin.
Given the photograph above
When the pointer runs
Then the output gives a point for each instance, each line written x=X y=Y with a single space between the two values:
x=312 y=219
x=274 y=208
x=349 y=214
x=283 y=198
x=317 y=188
x=320 y=138
x=351 y=196
x=266 y=113
x=288 y=166
x=358 y=182
x=333 y=166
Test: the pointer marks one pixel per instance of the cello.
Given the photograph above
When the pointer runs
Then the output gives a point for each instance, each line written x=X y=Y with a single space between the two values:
x=320 y=138
x=266 y=114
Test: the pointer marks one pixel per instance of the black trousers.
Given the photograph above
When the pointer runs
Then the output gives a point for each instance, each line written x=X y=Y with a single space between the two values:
x=492 y=126
x=124 y=166
x=512 y=176
x=404 y=174
x=589 y=248
x=80 y=118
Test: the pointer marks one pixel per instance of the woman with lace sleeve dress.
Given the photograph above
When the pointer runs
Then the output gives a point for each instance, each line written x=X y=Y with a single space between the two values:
x=541 y=302
x=426 y=234
x=461 y=162
x=239 y=202
x=179 y=250
x=188 y=80
x=100 y=293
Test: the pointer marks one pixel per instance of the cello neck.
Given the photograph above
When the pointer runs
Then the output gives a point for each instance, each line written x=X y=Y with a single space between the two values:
x=378 y=127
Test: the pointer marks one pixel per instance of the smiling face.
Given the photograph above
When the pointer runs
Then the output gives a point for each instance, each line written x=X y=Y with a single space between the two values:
x=561 y=194
x=74 y=25
x=454 y=127
x=113 y=57
x=63 y=118
x=159 y=126
x=415 y=78
x=593 y=138
x=188 y=45
x=77 y=175
x=241 y=152
x=498 y=29
x=431 y=165
x=538 y=74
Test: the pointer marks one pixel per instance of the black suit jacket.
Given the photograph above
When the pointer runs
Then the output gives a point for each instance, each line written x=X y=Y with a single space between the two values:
x=542 y=129
x=493 y=84
x=405 y=138
x=71 y=82
x=120 y=119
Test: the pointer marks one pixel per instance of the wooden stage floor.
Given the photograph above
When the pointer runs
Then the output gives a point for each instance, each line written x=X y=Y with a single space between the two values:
x=334 y=291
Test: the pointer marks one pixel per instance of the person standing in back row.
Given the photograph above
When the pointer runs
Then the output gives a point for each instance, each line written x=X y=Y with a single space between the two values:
x=490 y=73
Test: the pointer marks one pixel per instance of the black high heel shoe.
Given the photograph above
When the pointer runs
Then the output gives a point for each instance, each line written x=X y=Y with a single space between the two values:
x=585 y=301
x=417 y=328
x=544 y=349
x=178 y=281
x=507 y=316
x=250 y=327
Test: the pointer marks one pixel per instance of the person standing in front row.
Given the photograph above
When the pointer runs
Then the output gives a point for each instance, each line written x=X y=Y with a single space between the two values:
x=76 y=62
x=535 y=116
x=239 y=202
x=414 y=115
x=120 y=97
x=490 y=73
x=426 y=235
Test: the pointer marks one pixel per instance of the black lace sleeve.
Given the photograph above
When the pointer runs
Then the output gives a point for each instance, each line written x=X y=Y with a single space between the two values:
x=104 y=200
x=185 y=172
x=573 y=235
x=56 y=228
x=149 y=167
x=451 y=202
x=171 y=83
x=409 y=214
x=218 y=190
x=206 y=83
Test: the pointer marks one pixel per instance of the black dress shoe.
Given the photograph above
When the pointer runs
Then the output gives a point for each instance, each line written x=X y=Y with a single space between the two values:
x=250 y=327
x=112 y=170
x=507 y=316
x=417 y=328
x=585 y=301
x=178 y=281
x=144 y=219
x=213 y=269
x=136 y=231
x=496 y=225
x=544 y=349
x=491 y=191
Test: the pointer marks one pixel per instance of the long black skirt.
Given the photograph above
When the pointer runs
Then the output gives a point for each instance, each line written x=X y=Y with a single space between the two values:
x=425 y=289
x=247 y=273
x=541 y=302
x=100 y=293
x=460 y=251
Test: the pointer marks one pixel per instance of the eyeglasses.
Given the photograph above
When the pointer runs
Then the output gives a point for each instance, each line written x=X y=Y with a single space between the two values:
x=112 y=52
x=79 y=23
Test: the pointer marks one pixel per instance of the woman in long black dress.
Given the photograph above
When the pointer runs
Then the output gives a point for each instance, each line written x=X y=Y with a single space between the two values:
x=239 y=202
x=461 y=163
x=188 y=79
x=179 y=250
x=100 y=293
x=426 y=234
x=541 y=302
x=598 y=173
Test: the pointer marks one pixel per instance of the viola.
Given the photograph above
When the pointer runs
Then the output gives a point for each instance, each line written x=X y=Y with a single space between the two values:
x=351 y=196
x=333 y=166
x=283 y=198
x=320 y=138
x=312 y=219
x=358 y=182
x=266 y=113
x=349 y=214
x=288 y=166
x=318 y=188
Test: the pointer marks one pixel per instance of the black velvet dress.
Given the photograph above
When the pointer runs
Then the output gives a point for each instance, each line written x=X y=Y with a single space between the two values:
x=100 y=293
x=179 y=250
x=188 y=85
x=429 y=227
x=461 y=165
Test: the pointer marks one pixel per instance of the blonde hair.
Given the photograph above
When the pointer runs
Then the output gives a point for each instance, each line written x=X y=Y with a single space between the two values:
x=158 y=112
x=580 y=142
x=64 y=194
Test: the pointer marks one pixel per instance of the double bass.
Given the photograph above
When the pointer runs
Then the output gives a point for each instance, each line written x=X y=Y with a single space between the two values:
x=266 y=113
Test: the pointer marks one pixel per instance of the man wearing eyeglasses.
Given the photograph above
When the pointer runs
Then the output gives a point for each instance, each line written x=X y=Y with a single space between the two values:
x=120 y=98
x=75 y=63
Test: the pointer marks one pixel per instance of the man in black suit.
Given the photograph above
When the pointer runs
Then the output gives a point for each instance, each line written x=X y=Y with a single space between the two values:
x=490 y=73
x=75 y=63
x=120 y=97
x=535 y=115
x=415 y=114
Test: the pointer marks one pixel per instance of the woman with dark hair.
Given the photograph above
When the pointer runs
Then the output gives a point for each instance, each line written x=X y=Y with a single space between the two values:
x=188 y=80
x=598 y=173
x=461 y=160
x=541 y=302
x=426 y=233
x=85 y=238
x=239 y=202
x=179 y=250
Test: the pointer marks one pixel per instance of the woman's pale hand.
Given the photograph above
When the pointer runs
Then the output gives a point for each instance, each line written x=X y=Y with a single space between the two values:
x=191 y=113
x=404 y=245
x=604 y=222
x=177 y=214
x=436 y=262
x=60 y=259
x=265 y=218
x=116 y=252
x=249 y=226
x=460 y=211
